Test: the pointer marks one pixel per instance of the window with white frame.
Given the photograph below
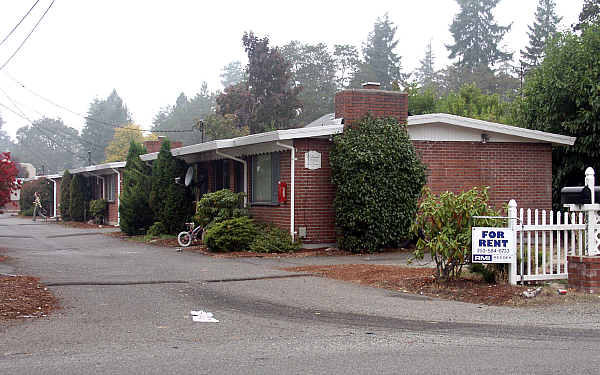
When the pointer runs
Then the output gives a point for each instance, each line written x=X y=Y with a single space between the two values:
x=265 y=175
x=110 y=187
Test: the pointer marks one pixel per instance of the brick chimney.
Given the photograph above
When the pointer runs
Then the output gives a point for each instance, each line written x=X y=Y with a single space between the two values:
x=154 y=146
x=353 y=104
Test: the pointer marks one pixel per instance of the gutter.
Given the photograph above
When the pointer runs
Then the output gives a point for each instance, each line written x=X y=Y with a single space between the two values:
x=245 y=172
x=54 y=191
x=118 y=195
x=292 y=188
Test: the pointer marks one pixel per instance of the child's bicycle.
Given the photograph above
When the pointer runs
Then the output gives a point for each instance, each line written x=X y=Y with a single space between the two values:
x=186 y=238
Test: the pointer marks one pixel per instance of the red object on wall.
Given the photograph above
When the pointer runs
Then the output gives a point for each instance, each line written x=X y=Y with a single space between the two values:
x=282 y=192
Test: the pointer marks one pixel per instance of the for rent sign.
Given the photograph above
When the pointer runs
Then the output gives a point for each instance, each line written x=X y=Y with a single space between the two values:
x=493 y=245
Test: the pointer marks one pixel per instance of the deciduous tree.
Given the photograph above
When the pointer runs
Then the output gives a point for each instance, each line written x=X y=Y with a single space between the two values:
x=8 y=175
x=118 y=148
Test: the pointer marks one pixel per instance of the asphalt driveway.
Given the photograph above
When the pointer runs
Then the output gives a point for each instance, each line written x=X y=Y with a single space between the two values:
x=126 y=309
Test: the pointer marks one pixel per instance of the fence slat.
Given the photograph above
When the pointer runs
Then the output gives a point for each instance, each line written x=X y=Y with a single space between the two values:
x=529 y=243
x=573 y=236
x=552 y=243
x=580 y=232
x=566 y=239
x=536 y=249
x=544 y=244
x=522 y=265
x=558 y=243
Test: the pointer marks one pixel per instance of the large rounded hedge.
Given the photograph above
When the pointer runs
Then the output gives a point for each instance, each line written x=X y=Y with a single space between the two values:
x=378 y=177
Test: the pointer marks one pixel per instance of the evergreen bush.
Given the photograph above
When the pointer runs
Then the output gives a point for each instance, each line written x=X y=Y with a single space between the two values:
x=230 y=235
x=156 y=229
x=170 y=202
x=98 y=210
x=272 y=239
x=45 y=189
x=378 y=178
x=65 y=195
x=218 y=206
x=76 y=203
x=136 y=215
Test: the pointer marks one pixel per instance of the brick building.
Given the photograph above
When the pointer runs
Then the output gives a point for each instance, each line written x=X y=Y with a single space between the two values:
x=460 y=153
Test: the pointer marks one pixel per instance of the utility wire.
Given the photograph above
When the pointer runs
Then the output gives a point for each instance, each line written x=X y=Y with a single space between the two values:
x=64 y=133
x=27 y=37
x=46 y=131
x=112 y=126
x=17 y=25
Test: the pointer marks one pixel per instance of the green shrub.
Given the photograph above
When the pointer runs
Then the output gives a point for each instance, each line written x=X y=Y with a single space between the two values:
x=65 y=195
x=219 y=206
x=98 y=210
x=444 y=224
x=489 y=274
x=170 y=202
x=230 y=235
x=378 y=178
x=45 y=189
x=272 y=239
x=76 y=204
x=134 y=208
x=156 y=229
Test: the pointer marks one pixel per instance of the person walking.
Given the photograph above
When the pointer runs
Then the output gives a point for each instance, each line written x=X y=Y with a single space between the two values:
x=37 y=205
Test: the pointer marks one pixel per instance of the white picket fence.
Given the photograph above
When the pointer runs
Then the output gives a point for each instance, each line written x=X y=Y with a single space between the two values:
x=544 y=240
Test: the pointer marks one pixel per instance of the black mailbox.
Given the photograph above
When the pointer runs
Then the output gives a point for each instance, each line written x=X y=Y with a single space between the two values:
x=576 y=195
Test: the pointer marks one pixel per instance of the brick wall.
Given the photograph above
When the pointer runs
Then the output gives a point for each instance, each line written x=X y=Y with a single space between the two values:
x=356 y=103
x=584 y=273
x=314 y=195
x=520 y=171
x=154 y=146
x=113 y=207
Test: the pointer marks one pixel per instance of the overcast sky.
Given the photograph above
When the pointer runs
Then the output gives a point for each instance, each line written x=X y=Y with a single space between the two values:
x=150 y=51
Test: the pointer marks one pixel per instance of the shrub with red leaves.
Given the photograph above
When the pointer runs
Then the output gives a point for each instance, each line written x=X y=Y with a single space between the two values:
x=8 y=175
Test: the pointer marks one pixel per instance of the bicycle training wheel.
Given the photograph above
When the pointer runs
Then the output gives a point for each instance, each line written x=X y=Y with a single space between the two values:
x=184 y=239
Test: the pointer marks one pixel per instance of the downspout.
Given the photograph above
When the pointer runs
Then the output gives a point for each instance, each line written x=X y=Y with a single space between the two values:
x=118 y=195
x=54 y=191
x=245 y=173
x=292 y=188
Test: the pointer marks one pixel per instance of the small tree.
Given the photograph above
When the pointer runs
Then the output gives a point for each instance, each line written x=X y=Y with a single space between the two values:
x=8 y=175
x=444 y=225
x=77 y=202
x=134 y=208
x=378 y=178
x=65 y=195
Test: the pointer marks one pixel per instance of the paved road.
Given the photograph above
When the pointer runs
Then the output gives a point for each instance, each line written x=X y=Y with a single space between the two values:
x=125 y=309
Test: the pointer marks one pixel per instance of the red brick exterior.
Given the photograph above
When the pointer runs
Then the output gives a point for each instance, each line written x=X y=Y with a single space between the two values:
x=154 y=146
x=351 y=105
x=520 y=171
x=314 y=195
x=584 y=273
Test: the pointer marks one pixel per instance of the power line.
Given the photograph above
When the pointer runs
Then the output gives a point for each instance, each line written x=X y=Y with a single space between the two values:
x=46 y=131
x=17 y=25
x=27 y=37
x=64 y=133
x=112 y=126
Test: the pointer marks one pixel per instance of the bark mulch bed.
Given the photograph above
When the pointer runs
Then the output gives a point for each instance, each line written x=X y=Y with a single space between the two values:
x=419 y=281
x=24 y=297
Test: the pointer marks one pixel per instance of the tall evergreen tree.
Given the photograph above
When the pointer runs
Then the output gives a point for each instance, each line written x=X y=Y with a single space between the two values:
x=171 y=202
x=65 y=195
x=382 y=64
x=102 y=118
x=347 y=64
x=136 y=216
x=544 y=27
x=426 y=74
x=77 y=201
x=477 y=35
x=590 y=14
x=184 y=115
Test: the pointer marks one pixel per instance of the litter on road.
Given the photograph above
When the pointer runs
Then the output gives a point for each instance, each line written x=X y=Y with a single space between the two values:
x=203 y=317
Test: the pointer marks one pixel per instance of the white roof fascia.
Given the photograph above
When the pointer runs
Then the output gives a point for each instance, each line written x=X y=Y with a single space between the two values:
x=92 y=168
x=253 y=139
x=466 y=122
